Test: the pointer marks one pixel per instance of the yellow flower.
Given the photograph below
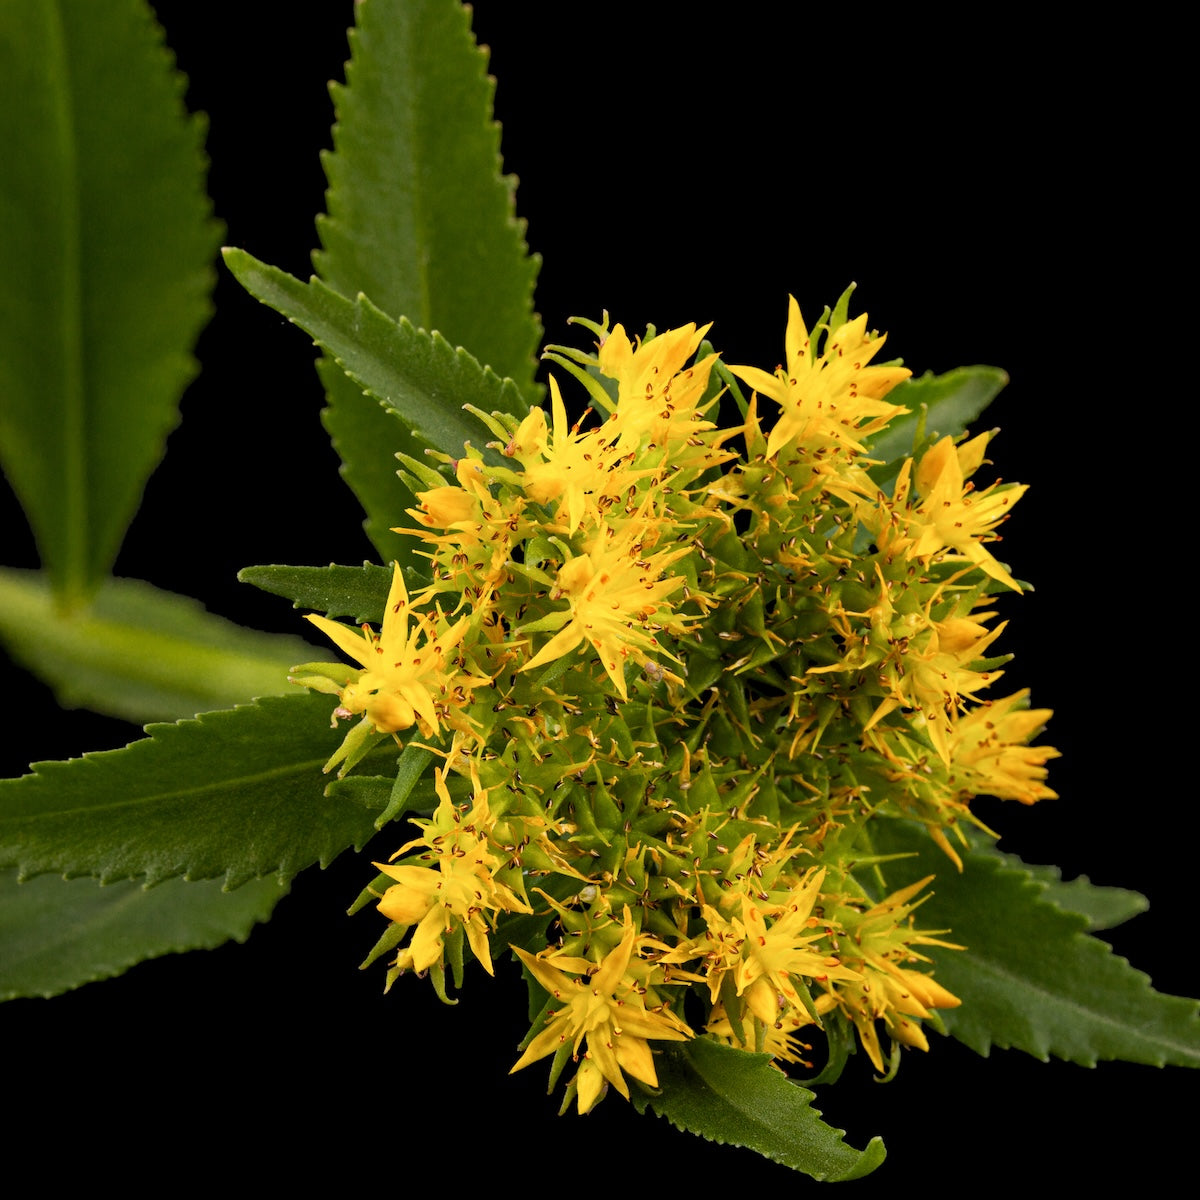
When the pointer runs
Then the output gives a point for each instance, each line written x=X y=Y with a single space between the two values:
x=657 y=396
x=578 y=473
x=832 y=401
x=457 y=890
x=950 y=514
x=988 y=755
x=879 y=944
x=477 y=539
x=933 y=674
x=618 y=601
x=779 y=1040
x=770 y=948
x=603 y=1005
x=408 y=676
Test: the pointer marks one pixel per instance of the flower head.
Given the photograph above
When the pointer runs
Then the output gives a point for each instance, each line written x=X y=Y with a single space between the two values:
x=658 y=395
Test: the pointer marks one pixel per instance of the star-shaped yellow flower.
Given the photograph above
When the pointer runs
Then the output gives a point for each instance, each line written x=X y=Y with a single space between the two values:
x=619 y=601
x=833 y=400
x=603 y=1005
x=879 y=944
x=408 y=672
x=950 y=515
x=988 y=754
x=771 y=948
x=460 y=888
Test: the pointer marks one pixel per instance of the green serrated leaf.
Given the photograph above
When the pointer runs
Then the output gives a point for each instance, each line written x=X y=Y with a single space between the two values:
x=58 y=934
x=420 y=217
x=417 y=376
x=1101 y=907
x=238 y=794
x=1031 y=977
x=107 y=245
x=359 y=593
x=736 y=1098
x=949 y=403
x=140 y=653
x=367 y=436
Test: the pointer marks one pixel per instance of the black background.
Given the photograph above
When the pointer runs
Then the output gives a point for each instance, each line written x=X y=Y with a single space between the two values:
x=1000 y=195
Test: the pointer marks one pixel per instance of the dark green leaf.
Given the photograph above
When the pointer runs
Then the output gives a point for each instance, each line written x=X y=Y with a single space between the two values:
x=58 y=934
x=367 y=437
x=107 y=247
x=419 y=377
x=1102 y=907
x=140 y=653
x=237 y=794
x=736 y=1098
x=420 y=217
x=1030 y=976
x=949 y=403
x=359 y=593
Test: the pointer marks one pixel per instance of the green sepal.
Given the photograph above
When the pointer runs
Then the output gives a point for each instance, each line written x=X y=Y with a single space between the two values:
x=356 y=745
x=732 y=1004
x=391 y=937
x=437 y=976
x=737 y=1098
x=330 y=678
x=733 y=386
x=452 y=951
x=409 y=770
x=420 y=476
x=371 y=894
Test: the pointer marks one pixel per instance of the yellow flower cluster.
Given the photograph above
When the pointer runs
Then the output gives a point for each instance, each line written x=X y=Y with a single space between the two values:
x=676 y=672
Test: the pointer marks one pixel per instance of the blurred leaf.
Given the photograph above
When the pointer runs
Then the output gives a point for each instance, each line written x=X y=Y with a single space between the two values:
x=1030 y=976
x=419 y=378
x=422 y=221
x=359 y=593
x=141 y=653
x=237 y=794
x=58 y=934
x=738 y=1099
x=106 y=245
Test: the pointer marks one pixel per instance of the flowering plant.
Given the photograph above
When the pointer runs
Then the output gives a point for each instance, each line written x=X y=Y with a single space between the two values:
x=686 y=693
